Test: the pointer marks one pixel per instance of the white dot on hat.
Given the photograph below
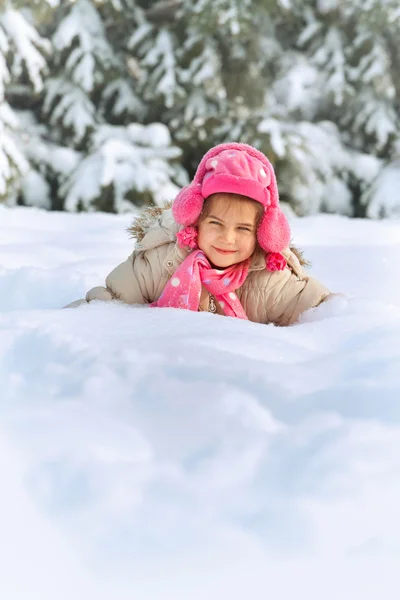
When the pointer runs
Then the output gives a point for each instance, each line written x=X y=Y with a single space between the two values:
x=175 y=281
x=232 y=295
x=262 y=172
x=214 y=163
x=222 y=304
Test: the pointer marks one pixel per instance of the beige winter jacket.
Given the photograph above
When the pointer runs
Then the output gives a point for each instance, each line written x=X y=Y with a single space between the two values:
x=267 y=297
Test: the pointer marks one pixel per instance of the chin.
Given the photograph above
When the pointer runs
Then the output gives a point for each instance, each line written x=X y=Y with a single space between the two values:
x=220 y=265
x=224 y=262
x=219 y=261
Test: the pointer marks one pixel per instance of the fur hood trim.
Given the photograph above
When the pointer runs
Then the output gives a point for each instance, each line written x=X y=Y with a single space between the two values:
x=148 y=217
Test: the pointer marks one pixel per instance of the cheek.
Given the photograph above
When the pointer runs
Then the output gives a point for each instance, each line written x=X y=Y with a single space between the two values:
x=204 y=235
x=201 y=243
x=249 y=244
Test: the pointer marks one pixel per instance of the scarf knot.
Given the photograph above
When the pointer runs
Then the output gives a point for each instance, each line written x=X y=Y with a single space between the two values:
x=183 y=290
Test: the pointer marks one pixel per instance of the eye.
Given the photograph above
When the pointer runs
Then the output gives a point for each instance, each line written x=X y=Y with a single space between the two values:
x=215 y=223
x=244 y=229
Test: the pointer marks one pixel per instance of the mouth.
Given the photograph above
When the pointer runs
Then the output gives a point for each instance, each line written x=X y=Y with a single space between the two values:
x=226 y=252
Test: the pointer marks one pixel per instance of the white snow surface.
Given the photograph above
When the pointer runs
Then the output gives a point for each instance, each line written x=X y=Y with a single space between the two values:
x=160 y=454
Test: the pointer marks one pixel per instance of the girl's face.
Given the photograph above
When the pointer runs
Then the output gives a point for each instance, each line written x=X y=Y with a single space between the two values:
x=227 y=229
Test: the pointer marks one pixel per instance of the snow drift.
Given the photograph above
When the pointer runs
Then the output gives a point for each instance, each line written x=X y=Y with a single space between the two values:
x=159 y=454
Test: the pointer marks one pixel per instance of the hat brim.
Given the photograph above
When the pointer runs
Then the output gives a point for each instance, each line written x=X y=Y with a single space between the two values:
x=230 y=184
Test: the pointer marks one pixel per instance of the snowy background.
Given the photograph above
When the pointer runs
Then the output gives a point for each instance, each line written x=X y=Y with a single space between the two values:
x=157 y=454
x=110 y=104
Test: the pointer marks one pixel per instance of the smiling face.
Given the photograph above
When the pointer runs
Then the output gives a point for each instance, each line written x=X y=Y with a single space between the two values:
x=227 y=229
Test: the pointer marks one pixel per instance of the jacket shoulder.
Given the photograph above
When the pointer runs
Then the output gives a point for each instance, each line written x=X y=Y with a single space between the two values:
x=281 y=296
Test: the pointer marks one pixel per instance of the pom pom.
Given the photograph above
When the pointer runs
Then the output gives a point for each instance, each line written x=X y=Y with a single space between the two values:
x=274 y=232
x=187 y=237
x=275 y=261
x=188 y=205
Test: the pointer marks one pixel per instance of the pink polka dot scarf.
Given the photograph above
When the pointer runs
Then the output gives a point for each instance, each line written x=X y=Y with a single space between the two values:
x=183 y=290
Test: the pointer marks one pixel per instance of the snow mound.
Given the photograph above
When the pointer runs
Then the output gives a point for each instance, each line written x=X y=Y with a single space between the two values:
x=160 y=454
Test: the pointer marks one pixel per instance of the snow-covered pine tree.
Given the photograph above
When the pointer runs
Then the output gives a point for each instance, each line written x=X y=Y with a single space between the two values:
x=343 y=73
x=202 y=69
x=91 y=104
x=257 y=64
x=126 y=166
x=314 y=84
x=373 y=119
x=82 y=61
x=22 y=68
x=215 y=71
x=236 y=70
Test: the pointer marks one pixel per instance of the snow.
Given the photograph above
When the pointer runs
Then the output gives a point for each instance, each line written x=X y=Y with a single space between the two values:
x=27 y=43
x=382 y=198
x=130 y=159
x=4 y=72
x=326 y=6
x=35 y=190
x=75 y=109
x=319 y=159
x=84 y=25
x=12 y=162
x=159 y=454
x=125 y=99
x=297 y=89
x=161 y=56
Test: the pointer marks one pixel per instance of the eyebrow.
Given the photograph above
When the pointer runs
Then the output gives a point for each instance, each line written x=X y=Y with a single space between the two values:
x=222 y=221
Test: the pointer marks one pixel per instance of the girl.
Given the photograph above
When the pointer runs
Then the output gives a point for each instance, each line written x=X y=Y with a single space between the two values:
x=223 y=247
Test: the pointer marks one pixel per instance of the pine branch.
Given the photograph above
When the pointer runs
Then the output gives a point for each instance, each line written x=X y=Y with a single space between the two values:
x=20 y=96
x=164 y=11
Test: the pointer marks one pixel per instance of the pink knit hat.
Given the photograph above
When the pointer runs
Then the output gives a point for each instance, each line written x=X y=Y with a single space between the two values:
x=236 y=169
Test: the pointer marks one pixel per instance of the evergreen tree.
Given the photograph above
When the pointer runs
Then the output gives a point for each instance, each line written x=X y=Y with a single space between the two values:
x=91 y=104
x=227 y=70
x=22 y=61
x=131 y=84
x=349 y=52
x=203 y=69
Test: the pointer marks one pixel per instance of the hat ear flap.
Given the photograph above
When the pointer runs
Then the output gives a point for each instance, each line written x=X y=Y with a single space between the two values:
x=274 y=232
x=188 y=205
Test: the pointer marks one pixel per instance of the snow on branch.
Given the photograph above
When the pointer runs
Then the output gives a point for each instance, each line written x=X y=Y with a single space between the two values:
x=81 y=35
x=125 y=166
x=29 y=47
x=67 y=104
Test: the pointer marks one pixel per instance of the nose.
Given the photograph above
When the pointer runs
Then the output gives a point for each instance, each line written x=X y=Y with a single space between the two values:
x=229 y=235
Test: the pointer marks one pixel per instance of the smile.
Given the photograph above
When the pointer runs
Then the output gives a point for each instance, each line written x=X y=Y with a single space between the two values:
x=224 y=251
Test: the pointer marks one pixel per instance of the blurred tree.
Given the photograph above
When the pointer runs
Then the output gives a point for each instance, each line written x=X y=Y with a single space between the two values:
x=312 y=83
x=72 y=138
x=22 y=69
